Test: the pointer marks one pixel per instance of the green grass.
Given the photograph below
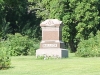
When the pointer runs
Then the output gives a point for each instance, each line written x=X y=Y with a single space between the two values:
x=29 y=65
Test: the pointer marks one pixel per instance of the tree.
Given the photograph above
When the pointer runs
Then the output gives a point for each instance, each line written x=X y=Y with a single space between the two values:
x=50 y=9
x=61 y=10
x=19 y=18
x=80 y=21
x=78 y=18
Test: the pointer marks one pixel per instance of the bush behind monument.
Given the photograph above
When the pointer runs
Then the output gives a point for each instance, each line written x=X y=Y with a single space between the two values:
x=90 y=47
x=5 y=60
x=21 y=45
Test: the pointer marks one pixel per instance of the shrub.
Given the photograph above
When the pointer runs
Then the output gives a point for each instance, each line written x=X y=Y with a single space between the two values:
x=90 y=47
x=4 y=55
x=22 y=45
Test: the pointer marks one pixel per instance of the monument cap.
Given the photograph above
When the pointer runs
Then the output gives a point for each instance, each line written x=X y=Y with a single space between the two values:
x=51 y=23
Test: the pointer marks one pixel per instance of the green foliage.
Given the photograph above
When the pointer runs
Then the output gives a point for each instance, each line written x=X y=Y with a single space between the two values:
x=50 y=9
x=5 y=60
x=40 y=57
x=90 y=47
x=16 y=17
x=80 y=18
x=87 y=17
x=22 y=45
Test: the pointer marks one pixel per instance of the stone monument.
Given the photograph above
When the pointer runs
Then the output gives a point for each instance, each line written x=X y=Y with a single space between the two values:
x=51 y=44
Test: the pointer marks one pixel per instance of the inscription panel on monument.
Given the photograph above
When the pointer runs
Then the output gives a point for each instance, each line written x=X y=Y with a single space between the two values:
x=50 y=35
x=49 y=45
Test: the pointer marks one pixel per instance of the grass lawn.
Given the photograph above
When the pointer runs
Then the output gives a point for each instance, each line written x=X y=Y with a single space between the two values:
x=29 y=65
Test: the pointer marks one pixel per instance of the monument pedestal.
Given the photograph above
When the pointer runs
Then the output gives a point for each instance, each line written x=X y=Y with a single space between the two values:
x=52 y=52
x=51 y=44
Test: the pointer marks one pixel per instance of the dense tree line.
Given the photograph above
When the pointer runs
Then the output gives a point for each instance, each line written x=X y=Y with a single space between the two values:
x=80 y=17
x=17 y=17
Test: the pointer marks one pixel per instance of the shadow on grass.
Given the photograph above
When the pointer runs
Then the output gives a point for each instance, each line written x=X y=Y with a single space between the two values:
x=6 y=68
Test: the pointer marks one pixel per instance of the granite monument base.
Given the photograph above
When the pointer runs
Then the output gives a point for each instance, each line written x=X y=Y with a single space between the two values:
x=52 y=52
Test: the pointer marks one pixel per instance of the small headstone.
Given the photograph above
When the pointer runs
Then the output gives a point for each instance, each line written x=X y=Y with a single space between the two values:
x=51 y=44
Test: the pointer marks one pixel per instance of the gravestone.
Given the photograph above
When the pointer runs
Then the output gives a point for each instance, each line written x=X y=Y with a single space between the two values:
x=51 y=44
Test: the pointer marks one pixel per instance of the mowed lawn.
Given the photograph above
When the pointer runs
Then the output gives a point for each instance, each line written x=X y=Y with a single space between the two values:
x=29 y=65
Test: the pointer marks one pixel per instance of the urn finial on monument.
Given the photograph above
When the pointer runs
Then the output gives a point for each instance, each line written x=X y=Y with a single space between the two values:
x=51 y=43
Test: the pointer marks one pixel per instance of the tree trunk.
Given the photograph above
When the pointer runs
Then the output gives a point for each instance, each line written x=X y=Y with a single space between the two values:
x=72 y=46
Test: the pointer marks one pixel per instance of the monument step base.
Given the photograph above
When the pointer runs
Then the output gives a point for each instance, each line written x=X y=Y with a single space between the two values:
x=52 y=52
